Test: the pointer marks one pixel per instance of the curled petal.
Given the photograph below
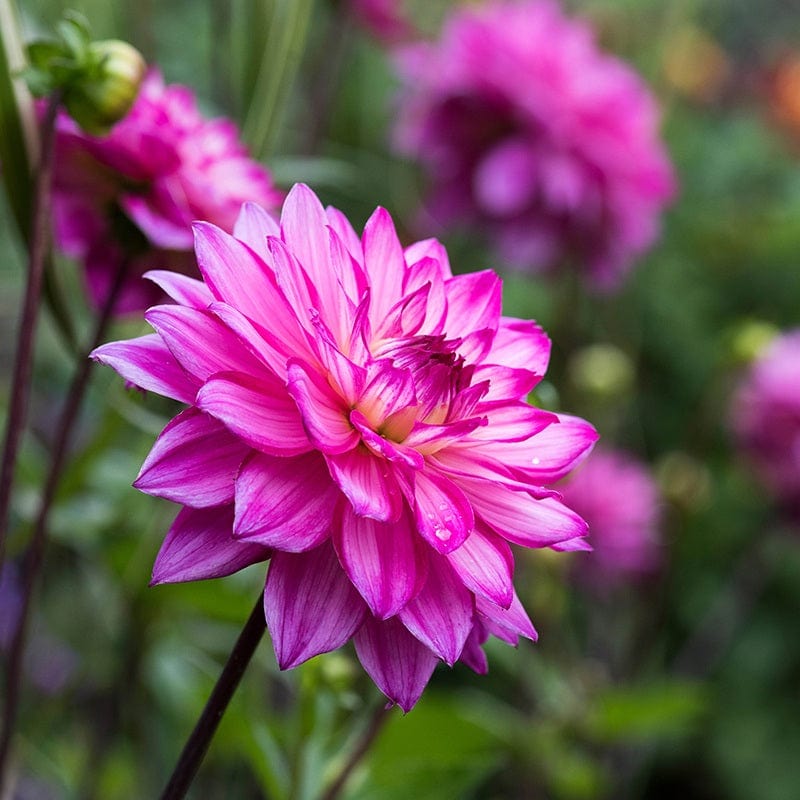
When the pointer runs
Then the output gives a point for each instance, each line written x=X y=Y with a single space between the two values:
x=310 y=605
x=252 y=227
x=520 y=344
x=368 y=482
x=200 y=544
x=442 y=512
x=399 y=663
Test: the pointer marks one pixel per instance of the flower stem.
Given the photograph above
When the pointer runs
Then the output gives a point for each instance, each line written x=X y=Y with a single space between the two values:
x=200 y=738
x=34 y=555
x=39 y=245
x=379 y=718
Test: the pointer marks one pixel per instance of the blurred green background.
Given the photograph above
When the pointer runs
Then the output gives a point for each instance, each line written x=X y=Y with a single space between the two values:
x=686 y=685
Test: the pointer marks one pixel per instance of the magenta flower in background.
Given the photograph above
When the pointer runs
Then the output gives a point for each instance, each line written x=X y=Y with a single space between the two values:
x=357 y=414
x=134 y=193
x=384 y=19
x=619 y=499
x=765 y=417
x=530 y=132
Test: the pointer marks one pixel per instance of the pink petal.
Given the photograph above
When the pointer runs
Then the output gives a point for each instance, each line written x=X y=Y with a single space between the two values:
x=310 y=605
x=505 y=383
x=383 y=447
x=428 y=272
x=512 y=422
x=398 y=663
x=573 y=545
x=181 y=288
x=194 y=462
x=147 y=363
x=200 y=545
x=368 y=483
x=201 y=344
x=485 y=565
x=388 y=390
x=432 y=249
x=252 y=227
x=347 y=235
x=384 y=262
x=472 y=654
x=324 y=413
x=285 y=503
x=258 y=411
x=384 y=560
x=440 y=616
x=159 y=230
x=442 y=512
x=473 y=302
x=507 y=624
x=520 y=344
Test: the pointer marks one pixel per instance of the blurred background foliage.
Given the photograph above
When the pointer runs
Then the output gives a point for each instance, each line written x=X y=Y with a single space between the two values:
x=685 y=684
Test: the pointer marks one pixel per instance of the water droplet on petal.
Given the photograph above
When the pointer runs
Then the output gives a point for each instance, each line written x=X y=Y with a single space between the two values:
x=536 y=460
x=442 y=534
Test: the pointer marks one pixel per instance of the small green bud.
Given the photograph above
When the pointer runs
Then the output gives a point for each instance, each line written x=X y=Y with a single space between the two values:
x=602 y=370
x=105 y=95
x=750 y=339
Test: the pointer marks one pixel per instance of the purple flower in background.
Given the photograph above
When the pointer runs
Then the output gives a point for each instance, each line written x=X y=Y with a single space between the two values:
x=384 y=19
x=134 y=194
x=357 y=414
x=618 y=497
x=765 y=417
x=532 y=134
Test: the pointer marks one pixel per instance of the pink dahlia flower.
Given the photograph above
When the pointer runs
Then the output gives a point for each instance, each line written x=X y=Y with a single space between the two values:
x=766 y=417
x=134 y=194
x=531 y=133
x=357 y=414
x=617 y=496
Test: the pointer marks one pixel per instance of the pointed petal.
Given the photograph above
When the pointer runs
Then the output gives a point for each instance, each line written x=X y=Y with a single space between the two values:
x=573 y=546
x=194 y=462
x=442 y=512
x=384 y=561
x=146 y=362
x=507 y=624
x=200 y=545
x=368 y=483
x=472 y=654
x=181 y=288
x=252 y=227
x=473 y=302
x=485 y=565
x=432 y=249
x=440 y=616
x=384 y=262
x=398 y=663
x=259 y=412
x=310 y=605
x=383 y=447
x=512 y=422
x=285 y=503
x=520 y=344
x=505 y=383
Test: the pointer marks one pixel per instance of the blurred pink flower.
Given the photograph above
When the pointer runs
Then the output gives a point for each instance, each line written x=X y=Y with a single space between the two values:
x=134 y=193
x=617 y=496
x=531 y=133
x=384 y=19
x=765 y=417
x=358 y=414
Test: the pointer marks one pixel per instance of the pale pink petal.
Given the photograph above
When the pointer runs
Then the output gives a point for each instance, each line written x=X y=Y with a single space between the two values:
x=324 y=413
x=431 y=249
x=368 y=482
x=200 y=544
x=485 y=565
x=388 y=390
x=259 y=412
x=427 y=272
x=440 y=616
x=310 y=605
x=181 y=288
x=383 y=447
x=398 y=663
x=511 y=422
x=194 y=461
x=384 y=262
x=505 y=383
x=147 y=363
x=183 y=329
x=573 y=545
x=520 y=344
x=473 y=302
x=507 y=624
x=346 y=233
x=296 y=286
x=285 y=503
x=252 y=227
x=385 y=561
x=442 y=512
x=429 y=439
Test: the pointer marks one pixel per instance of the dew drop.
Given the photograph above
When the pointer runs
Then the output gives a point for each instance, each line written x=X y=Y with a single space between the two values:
x=442 y=534
x=536 y=460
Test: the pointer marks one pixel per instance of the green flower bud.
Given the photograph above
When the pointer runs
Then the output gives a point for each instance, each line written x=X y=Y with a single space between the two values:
x=107 y=90
x=602 y=370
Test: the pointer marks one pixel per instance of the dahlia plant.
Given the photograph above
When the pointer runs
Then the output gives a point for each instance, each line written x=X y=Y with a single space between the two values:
x=358 y=416
x=531 y=133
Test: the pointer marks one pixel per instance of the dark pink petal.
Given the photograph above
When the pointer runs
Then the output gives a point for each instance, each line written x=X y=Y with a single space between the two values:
x=285 y=503
x=485 y=565
x=147 y=363
x=324 y=413
x=201 y=344
x=384 y=560
x=200 y=544
x=384 y=263
x=520 y=344
x=427 y=272
x=407 y=316
x=473 y=302
x=159 y=229
x=310 y=605
x=235 y=274
x=573 y=545
x=440 y=616
x=368 y=483
x=442 y=512
x=398 y=663
x=507 y=624
x=520 y=517
x=252 y=227
x=194 y=462
x=295 y=285
x=181 y=288
x=505 y=383
x=348 y=377
x=472 y=654
x=549 y=455
x=432 y=249
x=260 y=412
